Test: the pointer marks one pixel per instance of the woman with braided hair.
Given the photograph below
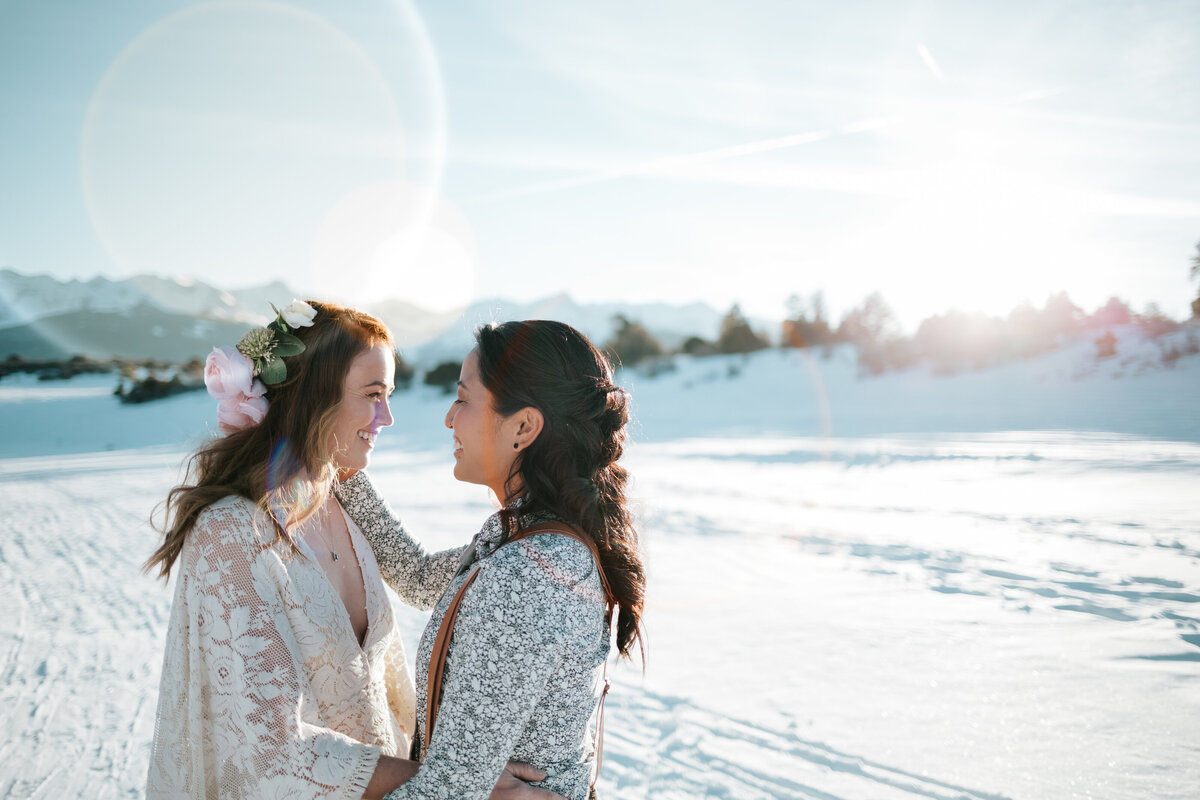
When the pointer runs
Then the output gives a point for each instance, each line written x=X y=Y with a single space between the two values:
x=520 y=638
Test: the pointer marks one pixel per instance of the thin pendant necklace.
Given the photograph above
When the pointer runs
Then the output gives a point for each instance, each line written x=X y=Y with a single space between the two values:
x=332 y=553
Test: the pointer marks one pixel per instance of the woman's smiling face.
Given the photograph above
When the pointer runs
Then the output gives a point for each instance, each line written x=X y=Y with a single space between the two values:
x=483 y=448
x=364 y=409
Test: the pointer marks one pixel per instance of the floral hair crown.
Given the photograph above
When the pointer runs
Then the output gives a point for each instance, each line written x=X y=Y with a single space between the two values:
x=238 y=377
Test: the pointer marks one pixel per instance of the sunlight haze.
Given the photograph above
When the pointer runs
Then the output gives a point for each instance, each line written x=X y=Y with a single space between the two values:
x=947 y=155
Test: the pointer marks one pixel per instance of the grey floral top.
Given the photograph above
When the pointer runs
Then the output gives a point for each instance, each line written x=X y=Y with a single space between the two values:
x=524 y=672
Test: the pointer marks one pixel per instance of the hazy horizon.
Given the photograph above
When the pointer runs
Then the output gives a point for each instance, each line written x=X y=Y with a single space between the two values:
x=448 y=316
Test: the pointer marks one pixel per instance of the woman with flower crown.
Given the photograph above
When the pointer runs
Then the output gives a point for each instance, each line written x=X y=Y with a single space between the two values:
x=284 y=675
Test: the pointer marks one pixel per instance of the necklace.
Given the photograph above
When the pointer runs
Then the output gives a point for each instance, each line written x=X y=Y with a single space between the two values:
x=332 y=553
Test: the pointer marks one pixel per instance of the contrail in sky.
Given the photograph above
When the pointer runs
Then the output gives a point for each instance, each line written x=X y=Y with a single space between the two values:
x=672 y=162
x=927 y=57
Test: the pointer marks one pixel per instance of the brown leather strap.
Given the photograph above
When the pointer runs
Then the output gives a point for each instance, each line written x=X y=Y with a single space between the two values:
x=577 y=534
x=437 y=660
x=441 y=644
x=609 y=605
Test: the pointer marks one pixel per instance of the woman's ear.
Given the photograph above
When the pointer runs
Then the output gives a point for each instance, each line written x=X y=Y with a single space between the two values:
x=527 y=426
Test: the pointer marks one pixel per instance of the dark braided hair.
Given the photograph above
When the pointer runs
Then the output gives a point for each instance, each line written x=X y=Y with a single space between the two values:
x=570 y=471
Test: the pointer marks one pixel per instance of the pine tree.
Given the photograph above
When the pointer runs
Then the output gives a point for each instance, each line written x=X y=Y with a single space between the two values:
x=806 y=325
x=737 y=336
x=631 y=343
x=696 y=346
x=444 y=375
x=871 y=322
x=875 y=333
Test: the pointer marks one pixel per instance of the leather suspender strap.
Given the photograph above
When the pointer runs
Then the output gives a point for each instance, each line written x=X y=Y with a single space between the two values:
x=441 y=643
x=437 y=661
x=609 y=606
x=577 y=534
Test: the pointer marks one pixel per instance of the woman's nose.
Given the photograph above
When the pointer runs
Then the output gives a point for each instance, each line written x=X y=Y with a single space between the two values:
x=383 y=414
x=449 y=421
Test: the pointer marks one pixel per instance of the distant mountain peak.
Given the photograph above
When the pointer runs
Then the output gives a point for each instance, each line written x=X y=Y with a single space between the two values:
x=26 y=298
x=424 y=335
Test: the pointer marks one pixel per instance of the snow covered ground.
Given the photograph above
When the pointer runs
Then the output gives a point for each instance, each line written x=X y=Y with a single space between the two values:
x=977 y=586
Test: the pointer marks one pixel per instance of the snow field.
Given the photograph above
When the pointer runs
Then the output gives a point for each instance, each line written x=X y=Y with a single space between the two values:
x=1008 y=611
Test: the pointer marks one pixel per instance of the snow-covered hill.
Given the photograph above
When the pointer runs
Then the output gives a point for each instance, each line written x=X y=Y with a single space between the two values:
x=805 y=393
x=908 y=587
x=785 y=393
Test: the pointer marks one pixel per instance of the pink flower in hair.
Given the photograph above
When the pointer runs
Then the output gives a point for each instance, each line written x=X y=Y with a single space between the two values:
x=228 y=373
x=229 y=376
x=240 y=411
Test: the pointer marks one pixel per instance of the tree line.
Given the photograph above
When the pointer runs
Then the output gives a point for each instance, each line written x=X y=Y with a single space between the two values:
x=949 y=342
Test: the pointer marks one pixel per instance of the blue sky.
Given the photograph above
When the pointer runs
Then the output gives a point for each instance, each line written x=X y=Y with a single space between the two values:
x=947 y=154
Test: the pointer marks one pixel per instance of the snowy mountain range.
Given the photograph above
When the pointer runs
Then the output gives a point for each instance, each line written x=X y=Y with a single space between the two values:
x=671 y=325
x=147 y=316
x=27 y=298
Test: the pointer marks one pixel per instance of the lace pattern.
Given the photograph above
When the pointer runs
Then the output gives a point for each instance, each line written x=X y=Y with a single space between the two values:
x=523 y=676
x=265 y=690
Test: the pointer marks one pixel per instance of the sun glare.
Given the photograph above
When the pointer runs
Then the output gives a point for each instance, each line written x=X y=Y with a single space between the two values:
x=984 y=214
x=393 y=239
x=224 y=167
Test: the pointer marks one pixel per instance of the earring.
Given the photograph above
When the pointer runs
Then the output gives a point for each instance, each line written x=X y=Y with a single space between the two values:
x=515 y=445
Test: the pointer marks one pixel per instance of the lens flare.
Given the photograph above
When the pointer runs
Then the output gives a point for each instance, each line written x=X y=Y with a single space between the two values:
x=284 y=481
x=821 y=396
x=396 y=239
x=218 y=139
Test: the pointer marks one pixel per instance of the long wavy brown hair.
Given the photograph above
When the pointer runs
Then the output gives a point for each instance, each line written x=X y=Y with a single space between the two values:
x=285 y=463
x=570 y=471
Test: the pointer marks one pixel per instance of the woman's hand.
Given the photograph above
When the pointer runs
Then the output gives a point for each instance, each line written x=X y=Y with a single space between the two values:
x=512 y=784
x=391 y=773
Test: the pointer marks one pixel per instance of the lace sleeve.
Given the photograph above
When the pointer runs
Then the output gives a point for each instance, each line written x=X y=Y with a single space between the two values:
x=526 y=612
x=253 y=709
x=417 y=577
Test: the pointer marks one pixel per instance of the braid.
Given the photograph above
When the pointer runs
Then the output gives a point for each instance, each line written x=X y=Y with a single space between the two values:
x=571 y=469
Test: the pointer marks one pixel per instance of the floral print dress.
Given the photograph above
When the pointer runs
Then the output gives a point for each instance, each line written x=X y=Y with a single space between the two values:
x=524 y=672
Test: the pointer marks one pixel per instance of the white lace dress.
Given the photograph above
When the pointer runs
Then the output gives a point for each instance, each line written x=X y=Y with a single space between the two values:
x=266 y=692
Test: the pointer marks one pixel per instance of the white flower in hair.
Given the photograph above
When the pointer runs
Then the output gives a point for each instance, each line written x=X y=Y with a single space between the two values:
x=299 y=314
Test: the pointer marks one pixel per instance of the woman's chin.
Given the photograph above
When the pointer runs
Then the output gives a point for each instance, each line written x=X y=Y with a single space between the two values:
x=352 y=464
x=464 y=475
